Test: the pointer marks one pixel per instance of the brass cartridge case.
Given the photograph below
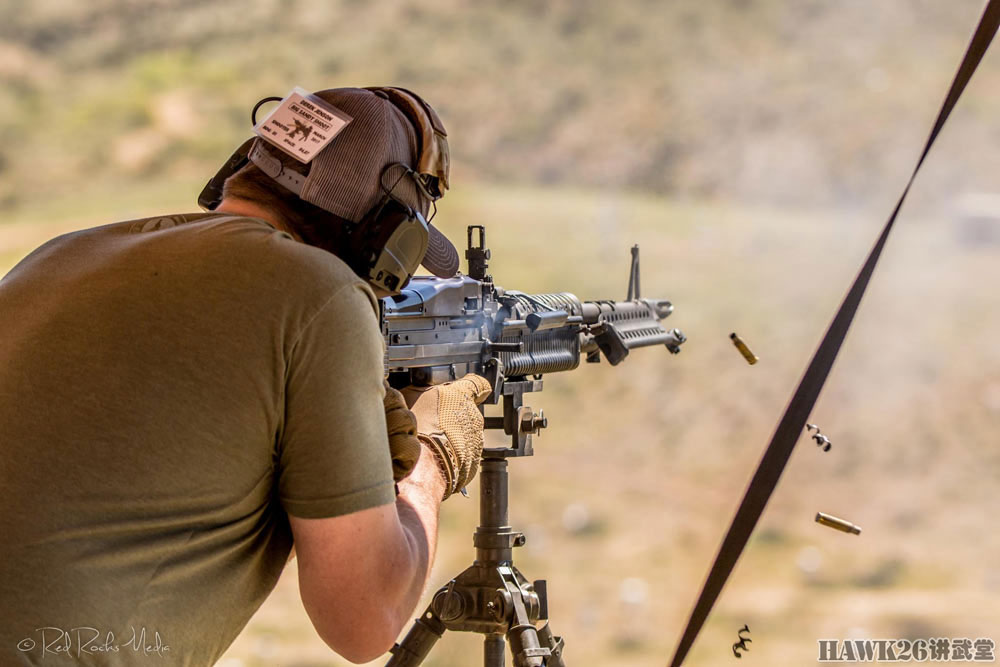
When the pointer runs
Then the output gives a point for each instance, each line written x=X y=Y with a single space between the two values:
x=839 y=524
x=744 y=350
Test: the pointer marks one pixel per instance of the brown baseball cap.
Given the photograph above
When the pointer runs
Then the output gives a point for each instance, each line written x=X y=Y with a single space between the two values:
x=349 y=176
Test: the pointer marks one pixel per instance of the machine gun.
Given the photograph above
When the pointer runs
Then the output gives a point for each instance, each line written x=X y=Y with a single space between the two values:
x=439 y=329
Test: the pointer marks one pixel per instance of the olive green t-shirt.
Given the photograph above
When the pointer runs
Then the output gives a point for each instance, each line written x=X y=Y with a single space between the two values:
x=170 y=390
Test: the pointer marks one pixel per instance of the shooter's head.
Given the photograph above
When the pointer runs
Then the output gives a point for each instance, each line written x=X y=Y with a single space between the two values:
x=366 y=190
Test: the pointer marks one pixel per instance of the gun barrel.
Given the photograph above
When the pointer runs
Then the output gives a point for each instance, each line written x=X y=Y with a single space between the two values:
x=548 y=320
x=621 y=311
x=543 y=323
x=637 y=323
x=547 y=357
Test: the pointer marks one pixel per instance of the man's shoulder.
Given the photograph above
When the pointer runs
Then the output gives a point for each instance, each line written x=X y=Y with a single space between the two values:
x=218 y=253
x=249 y=246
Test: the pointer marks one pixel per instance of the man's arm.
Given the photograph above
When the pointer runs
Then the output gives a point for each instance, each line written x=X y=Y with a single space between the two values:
x=362 y=574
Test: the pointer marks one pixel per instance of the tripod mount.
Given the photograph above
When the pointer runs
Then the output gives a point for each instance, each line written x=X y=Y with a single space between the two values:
x=492 y=597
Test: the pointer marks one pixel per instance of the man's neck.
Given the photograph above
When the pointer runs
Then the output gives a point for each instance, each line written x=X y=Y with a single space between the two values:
x=253 y=210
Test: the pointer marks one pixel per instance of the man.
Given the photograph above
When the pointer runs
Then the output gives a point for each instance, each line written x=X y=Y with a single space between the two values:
x=183 y=397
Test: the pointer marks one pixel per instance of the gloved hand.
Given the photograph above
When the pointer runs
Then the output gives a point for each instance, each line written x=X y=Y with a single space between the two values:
x=451 y=425
x=402 y=427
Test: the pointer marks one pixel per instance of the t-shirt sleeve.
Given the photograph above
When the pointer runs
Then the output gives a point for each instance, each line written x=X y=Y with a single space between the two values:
x=334 y=453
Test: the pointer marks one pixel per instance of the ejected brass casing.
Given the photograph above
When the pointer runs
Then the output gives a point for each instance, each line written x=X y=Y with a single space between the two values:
x=744 y=350
x=839 y=524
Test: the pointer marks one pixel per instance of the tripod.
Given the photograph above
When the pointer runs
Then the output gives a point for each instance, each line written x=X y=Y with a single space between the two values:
x=492 y=597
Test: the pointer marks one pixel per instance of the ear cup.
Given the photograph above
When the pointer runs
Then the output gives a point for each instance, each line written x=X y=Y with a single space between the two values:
x=211 y=195
x=389 y=244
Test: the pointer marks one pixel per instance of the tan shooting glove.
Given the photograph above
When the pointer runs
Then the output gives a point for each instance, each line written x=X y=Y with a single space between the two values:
x=402 y=427
x=450 y=424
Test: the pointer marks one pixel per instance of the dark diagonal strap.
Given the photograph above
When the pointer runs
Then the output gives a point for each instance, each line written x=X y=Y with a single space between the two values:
x=790 y=427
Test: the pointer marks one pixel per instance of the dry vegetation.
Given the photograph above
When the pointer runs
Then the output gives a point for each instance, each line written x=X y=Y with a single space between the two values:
x=808 y=102
x=776 y=138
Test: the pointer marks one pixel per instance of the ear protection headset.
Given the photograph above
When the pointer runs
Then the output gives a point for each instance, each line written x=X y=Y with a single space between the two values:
x=387 y=245
x=389 y=242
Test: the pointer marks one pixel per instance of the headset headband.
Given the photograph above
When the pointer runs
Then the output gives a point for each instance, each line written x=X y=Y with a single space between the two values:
x=434 y=160
x=273 y=167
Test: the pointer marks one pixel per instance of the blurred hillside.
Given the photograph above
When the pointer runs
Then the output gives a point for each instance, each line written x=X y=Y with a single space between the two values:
x=808 y=102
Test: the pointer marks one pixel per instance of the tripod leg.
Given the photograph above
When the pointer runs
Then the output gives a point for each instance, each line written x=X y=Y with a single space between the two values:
x=418 y=642
x=524 y=646
x=521 y=634
x=494 y=647
x=555 y=645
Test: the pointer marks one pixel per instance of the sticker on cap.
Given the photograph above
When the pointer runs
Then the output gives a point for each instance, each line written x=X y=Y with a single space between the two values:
x=302 y=125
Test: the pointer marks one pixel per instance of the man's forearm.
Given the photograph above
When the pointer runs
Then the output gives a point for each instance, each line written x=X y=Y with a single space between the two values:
x=361 y=574
x=418 y=504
